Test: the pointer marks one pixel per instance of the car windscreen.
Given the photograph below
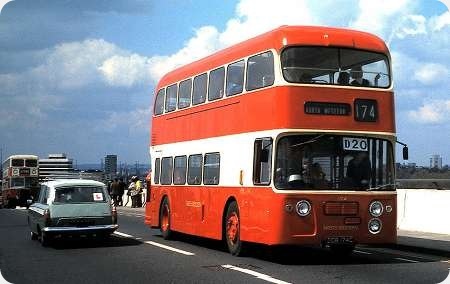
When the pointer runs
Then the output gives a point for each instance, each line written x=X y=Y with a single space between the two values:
x=80 y=194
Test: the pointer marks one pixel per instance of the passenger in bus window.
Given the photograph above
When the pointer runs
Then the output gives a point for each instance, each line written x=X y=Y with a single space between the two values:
x=317 y=176
x=358 y=170
x=344 y=78
x=357 y=76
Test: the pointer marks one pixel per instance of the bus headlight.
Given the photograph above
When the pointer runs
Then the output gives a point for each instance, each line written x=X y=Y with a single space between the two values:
x=376 y=208
x=303 y=208
x=375 y=226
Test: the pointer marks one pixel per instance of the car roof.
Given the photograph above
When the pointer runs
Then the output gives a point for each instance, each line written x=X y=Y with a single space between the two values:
x=69 y=182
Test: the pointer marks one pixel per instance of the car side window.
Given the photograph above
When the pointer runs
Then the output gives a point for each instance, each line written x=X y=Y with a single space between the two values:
x=43 y=195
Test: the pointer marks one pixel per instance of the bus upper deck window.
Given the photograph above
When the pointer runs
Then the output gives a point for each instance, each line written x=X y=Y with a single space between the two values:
x=171 y=98
x=199 y=89
x=216 y=82
x=159 y=102
x=335 y=66
x=31 y=163
x=235 y=78
x=17 y=163
x=184 y=94
x=260 y=71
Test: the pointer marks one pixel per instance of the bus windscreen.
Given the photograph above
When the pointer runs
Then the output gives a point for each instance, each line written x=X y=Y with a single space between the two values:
x=335 y=66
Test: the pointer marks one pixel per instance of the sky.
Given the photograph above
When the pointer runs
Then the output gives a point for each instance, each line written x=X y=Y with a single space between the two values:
x=78 y=76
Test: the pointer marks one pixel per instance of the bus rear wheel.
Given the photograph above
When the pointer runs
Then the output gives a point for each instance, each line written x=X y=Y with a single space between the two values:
x=164 y=219
x=232 y=229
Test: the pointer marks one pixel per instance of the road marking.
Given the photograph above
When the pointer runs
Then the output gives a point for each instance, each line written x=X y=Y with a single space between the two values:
x=256 y=274
x=408 y=260
x=363 y=252
x=169 y=248
x=123 y=234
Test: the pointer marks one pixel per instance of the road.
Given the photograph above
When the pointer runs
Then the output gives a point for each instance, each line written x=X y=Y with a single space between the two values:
x=138 y=254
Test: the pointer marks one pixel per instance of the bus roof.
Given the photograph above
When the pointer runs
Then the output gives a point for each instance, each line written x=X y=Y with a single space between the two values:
x=278 y=39
x=23 y=156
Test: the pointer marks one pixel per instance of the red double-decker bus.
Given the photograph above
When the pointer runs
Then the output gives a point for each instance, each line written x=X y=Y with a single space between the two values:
x=20 y=180
x=286 y=138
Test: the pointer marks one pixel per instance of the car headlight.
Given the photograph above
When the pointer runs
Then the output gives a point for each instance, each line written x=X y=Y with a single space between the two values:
x=303 y=208
x=375 y=226
x=376 y=208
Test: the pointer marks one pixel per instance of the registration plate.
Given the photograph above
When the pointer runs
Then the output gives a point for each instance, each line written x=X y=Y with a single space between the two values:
x=339 y=240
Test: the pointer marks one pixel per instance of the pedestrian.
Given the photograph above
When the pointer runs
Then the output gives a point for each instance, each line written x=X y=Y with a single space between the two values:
x=132 y=191
x=115 y=191
x=122 y=187
x=139 y=191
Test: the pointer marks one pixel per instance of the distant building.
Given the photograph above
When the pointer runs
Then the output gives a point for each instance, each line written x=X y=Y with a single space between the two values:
x=436 y=162
x=56 y=166
x=110 y=166
x=92 y=174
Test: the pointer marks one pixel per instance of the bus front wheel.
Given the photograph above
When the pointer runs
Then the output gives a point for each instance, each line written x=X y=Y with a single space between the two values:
x=164 y=219
x=232 y=229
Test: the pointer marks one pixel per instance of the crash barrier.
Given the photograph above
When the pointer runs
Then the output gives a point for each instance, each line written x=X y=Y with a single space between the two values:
x=423 y=210
x=423 y=183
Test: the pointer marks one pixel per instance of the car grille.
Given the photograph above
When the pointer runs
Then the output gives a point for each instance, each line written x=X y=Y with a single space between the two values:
x=341 y=208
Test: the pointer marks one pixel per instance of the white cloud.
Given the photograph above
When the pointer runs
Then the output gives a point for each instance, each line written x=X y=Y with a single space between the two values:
x=135 y=121
x=74 y=65
x=125 y=71
x=376 y=16
x=203 y=43
x=431 y=73
x=433 y=112
x=437 y=23
x=412 y=25
x=254 y=17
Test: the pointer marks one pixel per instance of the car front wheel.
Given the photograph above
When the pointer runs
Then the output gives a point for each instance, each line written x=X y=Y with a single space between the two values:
x=44 y=239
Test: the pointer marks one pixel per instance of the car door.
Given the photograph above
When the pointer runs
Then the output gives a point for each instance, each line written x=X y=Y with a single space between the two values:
x=36 y=210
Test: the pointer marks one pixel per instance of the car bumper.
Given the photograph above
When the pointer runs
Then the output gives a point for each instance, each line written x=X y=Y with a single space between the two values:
x=81 y=230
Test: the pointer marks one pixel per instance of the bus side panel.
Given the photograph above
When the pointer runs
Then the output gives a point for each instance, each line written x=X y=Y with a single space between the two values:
x=273 y=108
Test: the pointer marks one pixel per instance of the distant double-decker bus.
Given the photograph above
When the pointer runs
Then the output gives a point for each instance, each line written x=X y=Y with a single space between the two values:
x=20 y=180
x=286 y=138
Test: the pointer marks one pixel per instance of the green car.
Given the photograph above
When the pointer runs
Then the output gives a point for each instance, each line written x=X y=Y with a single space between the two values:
x=72 y=207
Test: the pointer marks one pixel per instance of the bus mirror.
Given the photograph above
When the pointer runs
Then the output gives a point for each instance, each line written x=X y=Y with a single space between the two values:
x=264 y=156
x=405 y=153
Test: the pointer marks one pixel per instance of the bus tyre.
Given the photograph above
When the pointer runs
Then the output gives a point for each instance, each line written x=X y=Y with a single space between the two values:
x=232 y=229
x=164 y=219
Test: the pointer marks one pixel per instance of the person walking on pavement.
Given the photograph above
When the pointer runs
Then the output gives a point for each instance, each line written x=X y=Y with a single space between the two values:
x=135 y=189
x=132 y=191
x=139 y=190
x=115 y=191
x=122 y=187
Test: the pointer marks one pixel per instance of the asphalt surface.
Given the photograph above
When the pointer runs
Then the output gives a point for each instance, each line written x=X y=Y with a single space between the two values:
x=138 y=254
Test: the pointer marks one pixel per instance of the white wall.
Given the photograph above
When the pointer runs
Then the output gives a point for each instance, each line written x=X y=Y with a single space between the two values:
x=424 y=210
